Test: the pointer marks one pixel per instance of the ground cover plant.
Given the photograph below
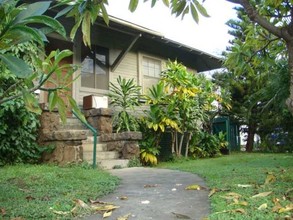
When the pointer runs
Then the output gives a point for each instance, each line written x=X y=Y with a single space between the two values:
x=245 y=186
x=51 y=192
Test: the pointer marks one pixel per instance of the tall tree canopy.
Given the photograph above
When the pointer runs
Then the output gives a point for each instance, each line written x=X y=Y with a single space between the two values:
x=275 y=17
x=256 y=78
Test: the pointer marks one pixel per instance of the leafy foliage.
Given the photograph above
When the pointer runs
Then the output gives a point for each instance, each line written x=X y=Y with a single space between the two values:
x=18 y=133
x=257 y=79
x=205 y=145
x=241 y=183
x=178 y=8
x=51 y=192
x=18 y=29
x=124 y=95
x=179 y=104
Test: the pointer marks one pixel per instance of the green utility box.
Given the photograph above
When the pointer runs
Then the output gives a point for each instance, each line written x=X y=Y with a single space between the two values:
x=225 y=125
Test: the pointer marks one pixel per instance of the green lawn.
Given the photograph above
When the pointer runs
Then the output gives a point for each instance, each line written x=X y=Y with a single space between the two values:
x=49 y=192
x=238 y=177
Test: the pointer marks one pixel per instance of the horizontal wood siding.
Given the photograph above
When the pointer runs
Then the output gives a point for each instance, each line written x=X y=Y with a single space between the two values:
x=128 y=68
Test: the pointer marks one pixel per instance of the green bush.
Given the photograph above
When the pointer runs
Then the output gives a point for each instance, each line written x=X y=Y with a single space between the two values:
x=205 y=145
x=125 y=96
x=18 y=133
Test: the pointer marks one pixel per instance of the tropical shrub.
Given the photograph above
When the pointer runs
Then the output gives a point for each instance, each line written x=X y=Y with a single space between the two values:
x=205 y=145
x=180 y=103
x=149 y=152
x=134 y=162
x=22 y=52
x=18 y=133
x=124 y=97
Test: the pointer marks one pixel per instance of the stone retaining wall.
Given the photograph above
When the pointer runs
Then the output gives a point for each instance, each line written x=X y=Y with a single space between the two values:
x=100 y=119
x=126 y=143
x=67 y=144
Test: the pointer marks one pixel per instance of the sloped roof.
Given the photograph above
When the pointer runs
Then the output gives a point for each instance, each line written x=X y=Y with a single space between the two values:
x=155 y=43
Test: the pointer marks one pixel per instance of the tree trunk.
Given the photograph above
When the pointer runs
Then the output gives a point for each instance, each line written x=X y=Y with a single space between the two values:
x=181 y=143
x=289 y=101
x=173 y=142
x=176 y=143
x=250 y=137
x=187 y=144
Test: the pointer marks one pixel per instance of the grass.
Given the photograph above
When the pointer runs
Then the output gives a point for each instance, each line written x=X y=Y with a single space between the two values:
x=259 y=172
x=41 y=191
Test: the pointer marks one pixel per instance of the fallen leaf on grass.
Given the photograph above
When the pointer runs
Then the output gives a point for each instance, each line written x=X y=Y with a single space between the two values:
x=270 y=179
x=123 y=198
x=61 y=212
x=277 y=206
x=242 y=211
x=30 y=198
x=231 y=196
x=81 y=204
x=263 y=206
x=107 y=214
x=263 y=194
x=2 y=211
x=287 y=208
x=124 y=217
x=289 y=195
x=215 y=190
x=237 y=202
x=180 y=216
x=244 y=185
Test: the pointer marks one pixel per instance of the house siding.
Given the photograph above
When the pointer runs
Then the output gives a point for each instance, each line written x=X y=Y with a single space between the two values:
x=128 y=68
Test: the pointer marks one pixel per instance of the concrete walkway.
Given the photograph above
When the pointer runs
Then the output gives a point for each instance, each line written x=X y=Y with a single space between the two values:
x=158 y=194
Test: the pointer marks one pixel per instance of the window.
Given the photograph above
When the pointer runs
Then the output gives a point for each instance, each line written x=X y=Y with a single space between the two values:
x=151 y=67
x=151 y=70
x=95 y=68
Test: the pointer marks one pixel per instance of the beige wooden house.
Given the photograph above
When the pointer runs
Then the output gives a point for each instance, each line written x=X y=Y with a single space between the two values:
x=128 y=50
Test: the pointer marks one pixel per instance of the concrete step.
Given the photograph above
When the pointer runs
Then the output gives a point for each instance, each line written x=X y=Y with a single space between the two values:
x=112 y=164
x=102 y=155
x=88 y=147
x=73 y=123
x=90 y=139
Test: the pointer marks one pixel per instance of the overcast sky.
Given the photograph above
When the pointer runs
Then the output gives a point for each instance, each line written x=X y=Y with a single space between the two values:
x=210 y=35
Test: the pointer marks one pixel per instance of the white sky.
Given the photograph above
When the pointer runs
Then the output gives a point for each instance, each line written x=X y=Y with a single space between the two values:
x=210 y=35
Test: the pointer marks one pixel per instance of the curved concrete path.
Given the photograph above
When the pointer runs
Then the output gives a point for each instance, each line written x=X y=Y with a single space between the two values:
x=157 y=194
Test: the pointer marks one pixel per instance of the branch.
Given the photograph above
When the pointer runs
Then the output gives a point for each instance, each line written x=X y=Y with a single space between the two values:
x=263 y=48
x=39 y=86
x=12 y=87
x=234 y=1
x=256 y=17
